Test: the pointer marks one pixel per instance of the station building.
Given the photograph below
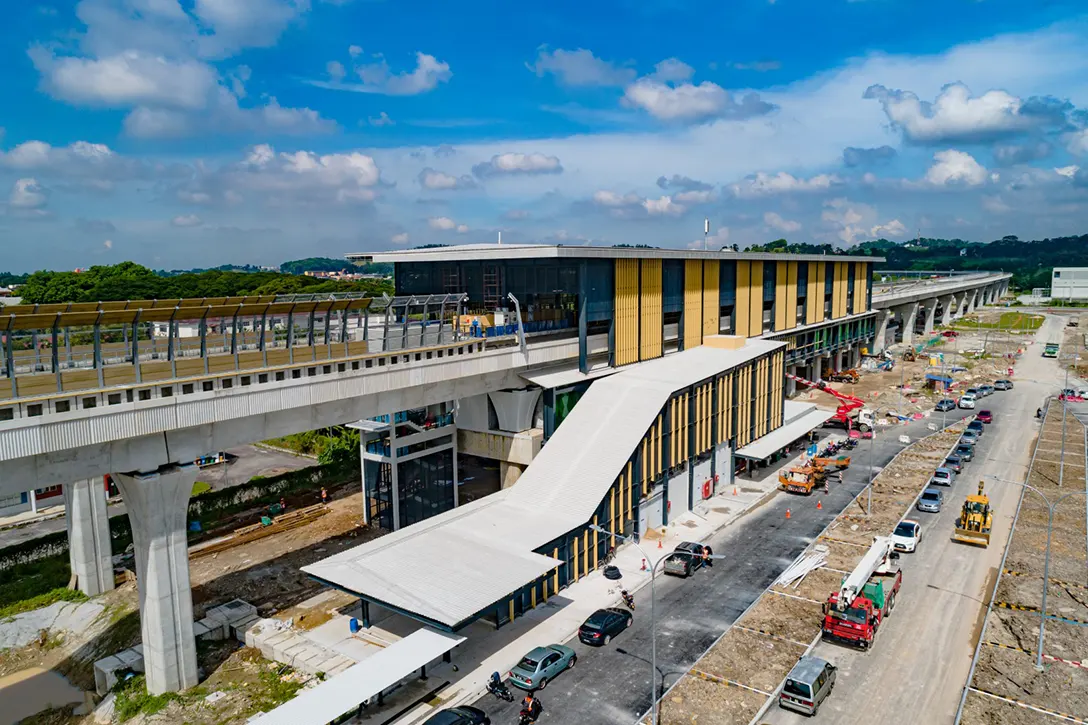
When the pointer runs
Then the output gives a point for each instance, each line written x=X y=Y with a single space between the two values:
x=680 y=374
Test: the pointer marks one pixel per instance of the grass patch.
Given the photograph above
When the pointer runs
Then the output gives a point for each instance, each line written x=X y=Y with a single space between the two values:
x=200 y=487
x=60 y=594
x=133 y=699
x=1007 y=321
x=24 y=582
x=272 y=690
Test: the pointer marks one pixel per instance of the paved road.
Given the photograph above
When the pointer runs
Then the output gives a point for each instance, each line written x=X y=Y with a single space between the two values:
x=612 y=684
x=921 y=658
x=250 y=461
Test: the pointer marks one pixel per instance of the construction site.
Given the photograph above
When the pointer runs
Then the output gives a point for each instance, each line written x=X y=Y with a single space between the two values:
x=737 y=678
x=1011 y=683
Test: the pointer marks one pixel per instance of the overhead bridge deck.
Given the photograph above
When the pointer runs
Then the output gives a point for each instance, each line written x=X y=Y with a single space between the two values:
x=633 y=435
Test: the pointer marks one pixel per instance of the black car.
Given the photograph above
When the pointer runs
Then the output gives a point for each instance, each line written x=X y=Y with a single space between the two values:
x=603 y=625
x=945 y=404
x=954 y=462
x=977 y=426
x=965 y=452
x=686 y=558
x=463 y=715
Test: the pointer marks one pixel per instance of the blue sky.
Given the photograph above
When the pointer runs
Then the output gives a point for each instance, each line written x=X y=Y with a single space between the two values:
x=181 y=133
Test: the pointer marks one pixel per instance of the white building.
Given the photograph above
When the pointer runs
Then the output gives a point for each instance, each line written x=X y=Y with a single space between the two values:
x=1069 y=283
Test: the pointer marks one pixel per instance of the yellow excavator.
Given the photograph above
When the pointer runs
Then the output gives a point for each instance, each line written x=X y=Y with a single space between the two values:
x=802 y=478
x=976 y=519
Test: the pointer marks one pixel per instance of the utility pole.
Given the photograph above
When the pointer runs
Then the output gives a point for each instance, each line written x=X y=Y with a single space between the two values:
x=706 y=232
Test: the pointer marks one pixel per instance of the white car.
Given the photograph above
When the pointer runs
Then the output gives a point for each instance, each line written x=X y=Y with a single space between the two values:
x=967 y=401
x=907 y=535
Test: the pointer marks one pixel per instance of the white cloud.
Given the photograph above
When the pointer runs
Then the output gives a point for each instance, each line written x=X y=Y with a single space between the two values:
x=956 y=115
x=442 y=223
x=336 y=71
x=672 y=70
x=894 y=228
x=714 y=241
x=382 y=119
x=695 y=196
x=687 y=102
x=186 y=220
x=224 y=115
x=108 y=244
x=775 y=221
x=354 y=51
x=27 y=194
x=1077 y=142
x=614 y=200
x=127 y=79
x=579 y=68
x=956 y=167
x=378 y=78
x=286 y=179
x=848 y=221
x=1068 y=172
x=401 y=238
x=663 y=206
x=441 y=181
x=462 y=228
x=515 y=163
x=764 y=184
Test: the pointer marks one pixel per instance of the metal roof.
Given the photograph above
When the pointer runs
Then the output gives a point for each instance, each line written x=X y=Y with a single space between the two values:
x=449 y=568
x=467 y=252
x=763 y=447
x=345 y=692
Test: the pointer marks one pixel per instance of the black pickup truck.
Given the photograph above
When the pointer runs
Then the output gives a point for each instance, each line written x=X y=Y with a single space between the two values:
x=685 y=559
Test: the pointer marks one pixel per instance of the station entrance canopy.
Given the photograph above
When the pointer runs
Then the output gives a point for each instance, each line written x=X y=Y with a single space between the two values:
x=799 y=419
x=455 y=567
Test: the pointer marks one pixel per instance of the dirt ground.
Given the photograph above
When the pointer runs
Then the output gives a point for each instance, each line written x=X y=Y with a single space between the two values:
x=739 y=650
x=1012 y=674
x=785 y=617
x=1065 y=599
x=816 y=585
x=698 y=702
x=982 y=710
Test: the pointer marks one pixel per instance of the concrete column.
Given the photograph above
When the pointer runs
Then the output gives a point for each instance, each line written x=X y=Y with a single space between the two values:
x=883 y=317
x=838 y=360
x=929 y=309
x=33 y=501
x=908 y=314
x=791 y=385
x=854 y=356
x=157 y=506
x=946 y=309
x=961 y=305
x=973 y=300
x=89 y=536
x=394 y=469
x=509 y=473
x=817 y=368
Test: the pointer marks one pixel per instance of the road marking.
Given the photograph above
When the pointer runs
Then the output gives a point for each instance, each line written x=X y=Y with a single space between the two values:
x=768 y=634
x=1036 y=708
x=794 y=596
x=722 y=681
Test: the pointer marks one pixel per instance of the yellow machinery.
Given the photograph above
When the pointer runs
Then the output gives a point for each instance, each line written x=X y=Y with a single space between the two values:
x=976 y=518
x=801 y=478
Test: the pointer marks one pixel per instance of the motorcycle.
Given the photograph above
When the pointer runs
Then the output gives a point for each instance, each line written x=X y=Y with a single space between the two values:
x=628 y=599
x=525 y=717
x=500 y=690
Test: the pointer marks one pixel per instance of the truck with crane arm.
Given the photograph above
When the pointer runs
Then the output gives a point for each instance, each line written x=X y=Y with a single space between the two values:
x=854 y=613
x=851 y=411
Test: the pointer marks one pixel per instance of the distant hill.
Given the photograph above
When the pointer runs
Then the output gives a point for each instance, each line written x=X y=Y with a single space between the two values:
x=330 y=264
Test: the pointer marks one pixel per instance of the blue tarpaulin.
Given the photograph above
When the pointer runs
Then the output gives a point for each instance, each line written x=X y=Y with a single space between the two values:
x=939 y=378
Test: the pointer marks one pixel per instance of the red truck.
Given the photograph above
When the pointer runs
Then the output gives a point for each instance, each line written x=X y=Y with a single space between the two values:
x=854 y=613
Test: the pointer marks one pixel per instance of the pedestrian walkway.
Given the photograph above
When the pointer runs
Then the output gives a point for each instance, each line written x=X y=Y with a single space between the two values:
x=23 y=518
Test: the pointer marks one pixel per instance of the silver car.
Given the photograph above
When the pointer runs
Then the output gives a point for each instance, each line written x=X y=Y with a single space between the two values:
x=541 y=665
x=930 y=501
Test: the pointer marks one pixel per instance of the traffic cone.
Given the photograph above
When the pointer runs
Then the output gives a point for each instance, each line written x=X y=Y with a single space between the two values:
x=643 y=565
x=819 y=504
x=659 y=544
x=787 y=513
x=734 y=490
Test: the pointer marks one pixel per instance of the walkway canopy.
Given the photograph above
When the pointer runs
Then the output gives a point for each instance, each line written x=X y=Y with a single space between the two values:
x=346 y=691
x=452 y=568
x=800 y=419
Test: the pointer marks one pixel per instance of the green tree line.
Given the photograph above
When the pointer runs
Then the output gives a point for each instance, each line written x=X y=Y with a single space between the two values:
x=1030 y=262
x=330 y=264
x=131 y=281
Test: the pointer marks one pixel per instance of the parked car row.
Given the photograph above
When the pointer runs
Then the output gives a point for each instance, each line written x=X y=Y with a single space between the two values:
x=932 y=498
x=970 y=397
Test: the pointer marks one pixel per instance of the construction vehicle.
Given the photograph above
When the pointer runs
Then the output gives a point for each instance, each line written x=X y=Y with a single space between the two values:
x=976 y=519
x=838 y=462
x=801 y=478
x=1051 y=349
x=851 y=412
x=845 y=376
x=854 y=613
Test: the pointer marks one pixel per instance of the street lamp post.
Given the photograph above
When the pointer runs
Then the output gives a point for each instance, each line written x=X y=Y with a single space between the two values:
x=1046 y=559
x=653 y=620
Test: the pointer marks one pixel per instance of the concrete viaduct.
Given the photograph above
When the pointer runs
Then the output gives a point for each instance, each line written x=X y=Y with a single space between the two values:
x=143 y=431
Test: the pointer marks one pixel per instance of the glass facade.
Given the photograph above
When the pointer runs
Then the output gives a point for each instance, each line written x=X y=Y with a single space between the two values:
x=426 y=486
